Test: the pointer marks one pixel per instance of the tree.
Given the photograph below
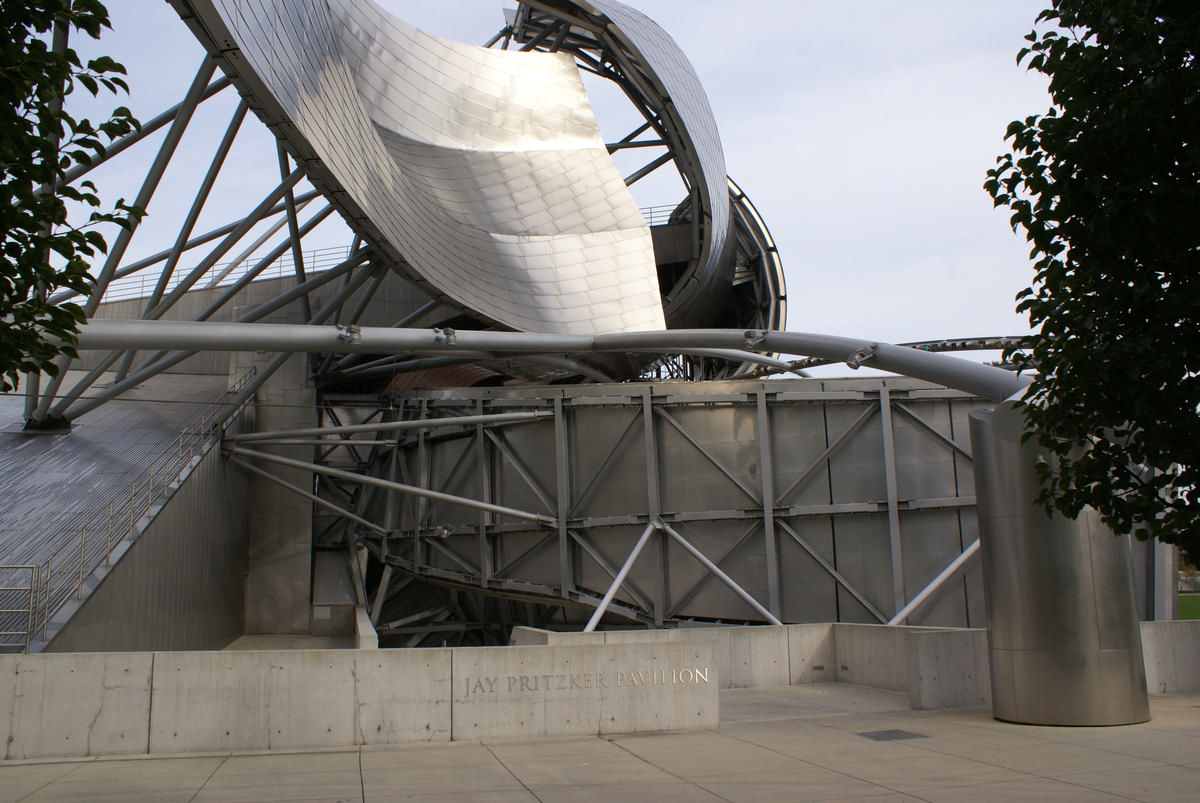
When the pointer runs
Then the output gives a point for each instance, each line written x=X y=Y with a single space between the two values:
x=1106 y=188
x=40 y=143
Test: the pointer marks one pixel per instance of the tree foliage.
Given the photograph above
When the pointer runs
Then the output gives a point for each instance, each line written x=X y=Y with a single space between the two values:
x=40 y=143
x=1105 y=187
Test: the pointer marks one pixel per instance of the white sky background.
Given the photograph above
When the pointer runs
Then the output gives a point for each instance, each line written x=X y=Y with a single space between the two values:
x=862 y=133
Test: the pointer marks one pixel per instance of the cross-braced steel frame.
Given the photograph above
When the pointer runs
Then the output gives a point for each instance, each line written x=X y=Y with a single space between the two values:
x=649 y=504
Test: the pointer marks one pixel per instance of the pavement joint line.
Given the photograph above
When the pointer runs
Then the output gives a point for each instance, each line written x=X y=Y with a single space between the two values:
x=220 y=764
x=829 y=769
x=508 y=769
x=362 y=782
x=613 y=741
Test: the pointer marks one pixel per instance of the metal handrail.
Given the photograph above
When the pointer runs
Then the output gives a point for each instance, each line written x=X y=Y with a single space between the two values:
x=63 y=575
x=29 y=610
x=141 y=284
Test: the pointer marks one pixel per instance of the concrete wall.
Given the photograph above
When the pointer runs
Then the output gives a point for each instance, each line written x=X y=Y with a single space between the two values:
x=746 y=657
x=79 y=704
x=137 y=703
x=948 y=669
x=1172 y=653
x=937 y=668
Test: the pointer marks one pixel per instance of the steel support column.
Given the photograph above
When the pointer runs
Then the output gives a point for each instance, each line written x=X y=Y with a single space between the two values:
x=767 y=473
x=893 y=508
x=654 y=505
x=562 y=469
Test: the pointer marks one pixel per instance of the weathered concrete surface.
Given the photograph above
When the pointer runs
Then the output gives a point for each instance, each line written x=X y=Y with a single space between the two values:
x=746 y=657
x=948 y=669
x=811 y=654
x=232 y=701
x=82 y=704
x=402 y=696
x=1172 y=653
x=59 y=705
x=871 y=655
x=937 y=667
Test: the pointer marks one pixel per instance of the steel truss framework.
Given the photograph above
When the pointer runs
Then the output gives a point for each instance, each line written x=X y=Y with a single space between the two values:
x=653 y=504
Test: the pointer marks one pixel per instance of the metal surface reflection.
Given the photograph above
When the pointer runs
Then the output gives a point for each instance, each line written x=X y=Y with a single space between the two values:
x=1063 y=637
x=482 y=172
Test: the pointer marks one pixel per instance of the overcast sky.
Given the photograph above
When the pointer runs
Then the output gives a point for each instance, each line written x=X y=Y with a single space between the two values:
x=861 y=131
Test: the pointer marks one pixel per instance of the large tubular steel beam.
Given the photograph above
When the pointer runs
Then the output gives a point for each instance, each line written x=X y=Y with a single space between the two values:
x=619 y=579
x=936 y=585
x=986 y=381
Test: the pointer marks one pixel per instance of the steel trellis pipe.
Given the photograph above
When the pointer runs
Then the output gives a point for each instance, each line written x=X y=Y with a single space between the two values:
x=620 y=578
x=724 y=578
x=987 y=381
x=936 y=584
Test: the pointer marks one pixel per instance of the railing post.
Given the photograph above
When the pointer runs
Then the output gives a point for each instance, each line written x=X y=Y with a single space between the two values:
x=31 y=620
x=45 y=598
x=82 y=561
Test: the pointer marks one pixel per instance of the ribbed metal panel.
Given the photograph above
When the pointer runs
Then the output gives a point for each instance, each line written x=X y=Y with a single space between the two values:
x=180 y=585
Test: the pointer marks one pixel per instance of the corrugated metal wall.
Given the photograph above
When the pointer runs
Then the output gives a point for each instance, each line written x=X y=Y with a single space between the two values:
x=181 y=585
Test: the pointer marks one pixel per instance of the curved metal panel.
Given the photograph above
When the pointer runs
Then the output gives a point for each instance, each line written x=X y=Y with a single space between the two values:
x=655 y=72
x=483 y=168
x=1063 y=634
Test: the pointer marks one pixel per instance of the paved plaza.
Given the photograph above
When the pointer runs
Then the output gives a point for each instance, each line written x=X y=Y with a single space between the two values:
x=800 y=743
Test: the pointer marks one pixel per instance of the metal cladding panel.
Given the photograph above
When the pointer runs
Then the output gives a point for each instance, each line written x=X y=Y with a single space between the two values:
x=523 y=468
x=484 y=169
x=931 y=540
x=925 y=467
x=856 y=470
x=608 y=461
x=747 y=566
x=690 y=480
x=809 y=593
x=864 y=558
x=614 y=547
x=659 y=52
x=798 y=440
x=455 y=471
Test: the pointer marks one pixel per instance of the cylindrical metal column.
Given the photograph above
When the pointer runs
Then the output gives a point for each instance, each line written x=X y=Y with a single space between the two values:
x=1063 y=634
